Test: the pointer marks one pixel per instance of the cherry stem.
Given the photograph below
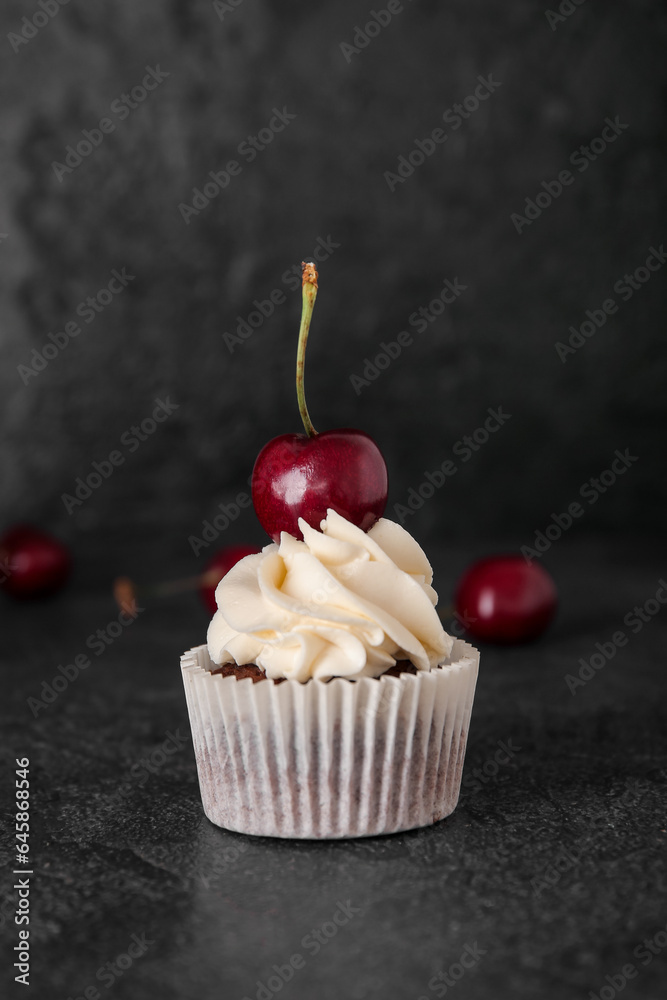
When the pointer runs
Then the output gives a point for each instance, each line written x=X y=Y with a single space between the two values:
x=126 y=591
x=309 y=283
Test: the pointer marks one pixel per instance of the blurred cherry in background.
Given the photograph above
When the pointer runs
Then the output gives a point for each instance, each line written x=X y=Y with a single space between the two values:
x=32 y=563
x=505 y=599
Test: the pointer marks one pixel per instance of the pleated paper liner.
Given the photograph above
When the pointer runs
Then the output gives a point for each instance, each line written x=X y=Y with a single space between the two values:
x=327 y=760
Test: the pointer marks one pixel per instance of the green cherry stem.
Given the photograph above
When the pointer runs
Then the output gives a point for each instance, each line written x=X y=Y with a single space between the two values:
x=309 y=283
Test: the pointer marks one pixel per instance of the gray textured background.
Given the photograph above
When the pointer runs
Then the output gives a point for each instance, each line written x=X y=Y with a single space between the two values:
x=323 y=176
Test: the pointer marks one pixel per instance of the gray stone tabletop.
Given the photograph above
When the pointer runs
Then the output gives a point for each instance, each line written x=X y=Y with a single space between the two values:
x=548 y=880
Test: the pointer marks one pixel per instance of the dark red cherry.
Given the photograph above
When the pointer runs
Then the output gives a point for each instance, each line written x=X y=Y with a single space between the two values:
x=217 y=567
x=303 y=475
x=299 y=476
x=31 y=562
x=505 y=599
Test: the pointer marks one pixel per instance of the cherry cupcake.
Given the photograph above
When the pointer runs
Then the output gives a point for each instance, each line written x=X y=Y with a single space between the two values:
x=328 y=700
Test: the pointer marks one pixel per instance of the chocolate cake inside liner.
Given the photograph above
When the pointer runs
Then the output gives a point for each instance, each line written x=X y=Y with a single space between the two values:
x=255 y=673
x=341 y=759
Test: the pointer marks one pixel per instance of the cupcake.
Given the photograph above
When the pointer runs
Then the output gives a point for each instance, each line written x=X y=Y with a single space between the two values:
x=328 y=700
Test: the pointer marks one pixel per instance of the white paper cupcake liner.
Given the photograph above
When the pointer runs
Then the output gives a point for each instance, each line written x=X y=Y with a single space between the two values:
x=343 y=759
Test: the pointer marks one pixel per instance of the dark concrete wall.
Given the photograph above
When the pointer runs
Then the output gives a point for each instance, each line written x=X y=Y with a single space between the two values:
x=323 y=176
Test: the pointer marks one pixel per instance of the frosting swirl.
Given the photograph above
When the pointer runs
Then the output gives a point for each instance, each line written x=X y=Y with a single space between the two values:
x=341 y=603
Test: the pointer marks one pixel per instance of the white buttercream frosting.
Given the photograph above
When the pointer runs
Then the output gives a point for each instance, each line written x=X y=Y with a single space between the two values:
x=341 y=603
